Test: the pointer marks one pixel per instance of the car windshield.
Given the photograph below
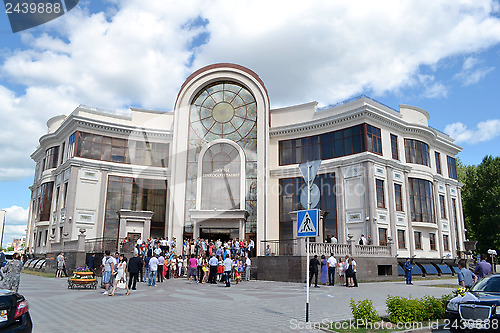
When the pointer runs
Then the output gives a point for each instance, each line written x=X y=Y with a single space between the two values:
x=488 y=284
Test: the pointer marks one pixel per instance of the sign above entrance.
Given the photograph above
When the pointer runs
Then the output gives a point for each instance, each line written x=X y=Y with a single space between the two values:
x=307 y=223
x=309 y=170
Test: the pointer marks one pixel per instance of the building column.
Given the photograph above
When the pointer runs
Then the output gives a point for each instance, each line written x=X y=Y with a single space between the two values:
x=437 y=209
x=411 y=236
x=370 y=198
x=340 y=205
x=391 y=205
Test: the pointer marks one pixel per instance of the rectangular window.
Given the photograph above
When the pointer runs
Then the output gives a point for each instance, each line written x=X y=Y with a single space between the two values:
x=58 y=190
x=401 y=239
x=51 y=158
x=347 y=141
x=446 y=243
x=289 y=201
x=399 y=197
x=421 y=200
x=45 y=202
x=136 y=194
x=380 y=193
x=418 y=240
x=382 y=236
x=438 y=162
x=416 y=152
x=394 y=147
x=432 y=241
x=105 y=148
x=452 y=167
x=60 y=233
x=65 y=194
x=442 y=206
x=62 y=152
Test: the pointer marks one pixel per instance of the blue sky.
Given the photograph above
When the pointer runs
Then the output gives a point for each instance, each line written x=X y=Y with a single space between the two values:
x=441 y=56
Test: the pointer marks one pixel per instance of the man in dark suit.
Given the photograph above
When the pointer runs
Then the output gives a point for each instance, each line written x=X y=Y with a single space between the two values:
x=134 y=267
x=313 y=270
x=91 y=262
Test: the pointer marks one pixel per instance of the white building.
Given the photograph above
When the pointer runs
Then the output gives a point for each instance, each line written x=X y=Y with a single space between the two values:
x=223 y=164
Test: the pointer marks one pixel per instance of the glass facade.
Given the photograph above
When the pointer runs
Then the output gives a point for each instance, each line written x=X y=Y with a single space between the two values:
x=352 y=140
x=51 y=158
x=45 y=201
x=223 y=110
x=421 y=202
x=105 y=148
x=417 y=152
x=290 y=189
x=135 y=194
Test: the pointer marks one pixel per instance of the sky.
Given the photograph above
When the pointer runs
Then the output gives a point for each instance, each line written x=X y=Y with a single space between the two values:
x=441 y=56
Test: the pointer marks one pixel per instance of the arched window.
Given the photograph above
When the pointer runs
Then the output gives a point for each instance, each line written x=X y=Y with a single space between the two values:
x=221 y=176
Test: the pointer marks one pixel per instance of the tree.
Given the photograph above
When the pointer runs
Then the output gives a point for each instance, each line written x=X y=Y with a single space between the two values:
x=481 y=202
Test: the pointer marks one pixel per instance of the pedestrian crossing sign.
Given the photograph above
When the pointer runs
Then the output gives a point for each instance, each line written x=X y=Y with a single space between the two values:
x=307 y=223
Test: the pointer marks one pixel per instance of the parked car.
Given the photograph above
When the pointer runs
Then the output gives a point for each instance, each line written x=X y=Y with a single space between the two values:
x=479 y=309
x=14 y=314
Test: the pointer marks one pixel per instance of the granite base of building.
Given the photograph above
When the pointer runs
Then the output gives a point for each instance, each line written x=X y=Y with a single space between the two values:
x=293 y=268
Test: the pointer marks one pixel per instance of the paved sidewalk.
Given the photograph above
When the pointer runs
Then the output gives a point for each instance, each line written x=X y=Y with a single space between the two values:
x=177 y=306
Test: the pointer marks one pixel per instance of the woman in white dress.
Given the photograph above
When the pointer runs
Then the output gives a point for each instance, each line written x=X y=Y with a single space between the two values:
x=121 y=275
x=341 y=270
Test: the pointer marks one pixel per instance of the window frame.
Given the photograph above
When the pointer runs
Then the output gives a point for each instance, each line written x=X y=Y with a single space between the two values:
x=437 y=157
x=418 y=244
x=398 y=198
x=417 y=152
x=442 y=207
x=380 y=193
x=394 y=147
x=401 y=241
x=432 y=241
x=382 y=237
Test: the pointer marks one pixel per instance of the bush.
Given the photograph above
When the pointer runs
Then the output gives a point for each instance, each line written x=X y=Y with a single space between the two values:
x=364 y=310
x=406 y=310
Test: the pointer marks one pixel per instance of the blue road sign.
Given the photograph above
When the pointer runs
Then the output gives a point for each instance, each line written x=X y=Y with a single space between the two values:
x=307 y=223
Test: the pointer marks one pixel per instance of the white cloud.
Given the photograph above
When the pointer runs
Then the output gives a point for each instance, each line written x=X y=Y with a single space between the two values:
x=472 y=71
x=140 y=53
x=16 y=219
x=484 y=131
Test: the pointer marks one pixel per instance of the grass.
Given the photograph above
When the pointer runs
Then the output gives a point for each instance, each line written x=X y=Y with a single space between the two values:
x=37 y=273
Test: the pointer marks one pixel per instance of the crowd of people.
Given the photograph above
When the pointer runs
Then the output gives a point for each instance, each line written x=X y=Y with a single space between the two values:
x=345 y=268
x=156 y=260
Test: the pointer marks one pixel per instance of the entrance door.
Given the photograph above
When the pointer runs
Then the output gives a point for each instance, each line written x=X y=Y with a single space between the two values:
x=224 y=234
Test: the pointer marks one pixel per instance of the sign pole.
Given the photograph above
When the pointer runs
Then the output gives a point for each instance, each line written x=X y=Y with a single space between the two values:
x=307 y=243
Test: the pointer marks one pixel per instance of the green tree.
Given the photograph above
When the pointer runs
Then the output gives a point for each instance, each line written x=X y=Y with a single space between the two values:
x=481 y=202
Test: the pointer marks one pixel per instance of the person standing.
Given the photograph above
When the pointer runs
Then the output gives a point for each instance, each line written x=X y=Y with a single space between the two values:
x=332 y=264
x=328 y=239
x=193 y=265
x=153 y=269
x=483 y=268
x=91 y=262
x=349 y=272
x=465 y=276
x=313 y=270
x=248 y=267
x=213 y=262
x=12 y=273
x=408 y=267
x=60 y=265
x=108 y=268
x=146 y=268
x=354 y=270
x=161 y=262
x=362 y=240
x=134 y=267
x=341 y=269
x=324 y=270
x=228 y=264
x=121 y=275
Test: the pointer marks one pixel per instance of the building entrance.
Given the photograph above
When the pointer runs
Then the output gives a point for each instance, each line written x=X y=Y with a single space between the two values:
x=224 y=234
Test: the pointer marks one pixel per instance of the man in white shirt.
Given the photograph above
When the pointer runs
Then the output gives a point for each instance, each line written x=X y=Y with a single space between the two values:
x=228 y=264
x=332 y=264
x=153 y=268
x=139 y=243
x=248 y=264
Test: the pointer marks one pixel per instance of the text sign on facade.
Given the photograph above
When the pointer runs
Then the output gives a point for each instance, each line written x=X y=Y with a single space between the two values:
x=307 y=223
